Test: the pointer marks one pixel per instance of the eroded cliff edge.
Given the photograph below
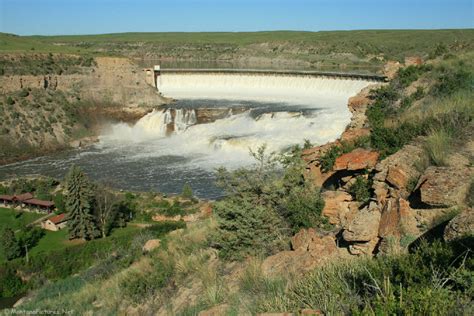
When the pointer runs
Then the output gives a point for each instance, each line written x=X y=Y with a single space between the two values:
x=62 y=101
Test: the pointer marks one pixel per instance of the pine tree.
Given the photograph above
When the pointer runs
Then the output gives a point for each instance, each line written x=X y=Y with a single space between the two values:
x=187 y=192
x=10 y=244
x=80 y=205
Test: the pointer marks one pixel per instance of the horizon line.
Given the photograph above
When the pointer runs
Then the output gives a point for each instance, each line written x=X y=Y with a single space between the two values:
x=237 y=32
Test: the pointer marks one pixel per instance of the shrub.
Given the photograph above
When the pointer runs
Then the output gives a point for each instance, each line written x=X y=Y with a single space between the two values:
x=329 y=158
x=24 y=93
x=302 y=208
x=450 y=81
x=10 y=101
x=360 y=189
x=139 y=286
x=162 y=228
x=244 y=229
x=410 y=74
x=10 y=284
x=433 y=279
x=187 y=192
x=470 y=196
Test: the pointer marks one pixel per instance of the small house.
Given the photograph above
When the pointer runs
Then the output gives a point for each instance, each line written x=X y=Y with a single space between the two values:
x=27 y=200
x=55 y=223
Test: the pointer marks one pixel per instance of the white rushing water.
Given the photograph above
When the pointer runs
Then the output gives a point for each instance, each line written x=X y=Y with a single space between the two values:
x=292 y=109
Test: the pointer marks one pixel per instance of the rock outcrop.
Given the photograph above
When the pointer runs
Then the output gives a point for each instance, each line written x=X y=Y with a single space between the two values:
x=365 y=225
x=444 y=186
x=336 y=206
x=357 y=159
x=462 y=225
x=309 y=251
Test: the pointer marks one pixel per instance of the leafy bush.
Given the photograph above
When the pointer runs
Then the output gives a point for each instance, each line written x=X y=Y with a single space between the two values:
x=10 y=283
x=470 y=196
x=361 y=189
x=434 y=279
x=23 y=93
x=161 y=228
x=410 y=74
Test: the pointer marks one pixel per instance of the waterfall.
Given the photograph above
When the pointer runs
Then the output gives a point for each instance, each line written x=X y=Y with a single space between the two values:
x=258 y=87
x=282 y=111
x=183 y=119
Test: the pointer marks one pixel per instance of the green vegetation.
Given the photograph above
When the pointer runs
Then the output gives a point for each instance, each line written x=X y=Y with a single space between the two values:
x=434 y=279
x=44 y=64
x=328 y=159
x=366 y=49
x=264 y=205
x=444 y=113
x=187 y=192
x=437 y=146
x=16 y=219
x=80 y=205
x=10 y=245
x=361 y=189
x=107 y=255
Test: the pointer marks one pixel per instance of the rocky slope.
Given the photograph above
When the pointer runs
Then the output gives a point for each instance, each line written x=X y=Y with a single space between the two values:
x=53 y=110
x=406 y=201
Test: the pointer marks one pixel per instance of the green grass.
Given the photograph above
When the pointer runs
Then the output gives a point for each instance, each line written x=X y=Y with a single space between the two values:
x=60 y=239
x=51 y=241
x=393 y=43
x=16 y=219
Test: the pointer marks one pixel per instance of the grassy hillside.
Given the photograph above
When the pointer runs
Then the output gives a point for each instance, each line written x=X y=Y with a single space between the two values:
x=311 y=49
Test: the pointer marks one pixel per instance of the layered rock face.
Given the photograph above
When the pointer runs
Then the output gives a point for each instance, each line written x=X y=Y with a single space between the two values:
x=113 y=80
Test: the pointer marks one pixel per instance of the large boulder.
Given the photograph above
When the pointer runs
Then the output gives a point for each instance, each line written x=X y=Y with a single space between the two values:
x=398 y=219
x=336 y=206
x=461 y=225
x=357 y=159
x=444 y=186
x=397 y=171
x=365 y=225
x=310 y=251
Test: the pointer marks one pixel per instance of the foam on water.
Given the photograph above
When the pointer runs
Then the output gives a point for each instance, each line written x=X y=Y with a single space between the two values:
x=227 y=141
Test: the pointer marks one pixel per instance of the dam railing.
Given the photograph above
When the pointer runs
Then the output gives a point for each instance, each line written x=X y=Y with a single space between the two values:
x=312 y=73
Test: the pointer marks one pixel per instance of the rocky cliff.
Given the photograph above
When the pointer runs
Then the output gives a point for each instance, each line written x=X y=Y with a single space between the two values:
x=52 y=110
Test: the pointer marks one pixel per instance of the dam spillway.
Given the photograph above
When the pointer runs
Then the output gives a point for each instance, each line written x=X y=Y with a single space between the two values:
x=215 y=120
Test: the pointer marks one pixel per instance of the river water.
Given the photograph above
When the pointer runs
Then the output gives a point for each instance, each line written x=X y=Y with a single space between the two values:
x=169 y=148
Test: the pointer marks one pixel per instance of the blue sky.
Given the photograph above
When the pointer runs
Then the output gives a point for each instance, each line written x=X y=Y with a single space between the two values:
x=47 y=17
